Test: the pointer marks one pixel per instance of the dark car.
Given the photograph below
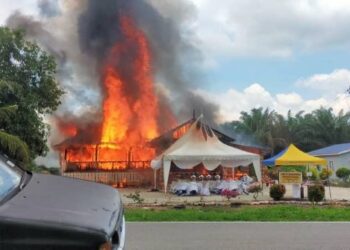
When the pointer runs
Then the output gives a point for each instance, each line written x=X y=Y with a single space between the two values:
x=53 y=212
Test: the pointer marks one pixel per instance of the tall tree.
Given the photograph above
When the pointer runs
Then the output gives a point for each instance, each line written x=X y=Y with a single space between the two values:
x=259 y=124
x=27 y=80
x=308 y=131
x=322 y=128
x=10 y=144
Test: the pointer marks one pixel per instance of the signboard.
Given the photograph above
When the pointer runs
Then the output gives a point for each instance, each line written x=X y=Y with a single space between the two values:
x=290 y=177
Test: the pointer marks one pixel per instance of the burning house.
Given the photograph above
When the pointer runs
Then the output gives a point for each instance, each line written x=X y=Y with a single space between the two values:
x=132 y=46
x=128 y=66
x=130 y=116
x=121 y=167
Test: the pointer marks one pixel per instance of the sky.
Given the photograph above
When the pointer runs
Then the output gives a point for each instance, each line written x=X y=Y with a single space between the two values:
x=284 y=55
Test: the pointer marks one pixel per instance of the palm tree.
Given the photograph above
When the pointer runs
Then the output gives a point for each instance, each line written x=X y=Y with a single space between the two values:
x=309 y=131
x=259 y=124
x=342 y=127
x=317 y=129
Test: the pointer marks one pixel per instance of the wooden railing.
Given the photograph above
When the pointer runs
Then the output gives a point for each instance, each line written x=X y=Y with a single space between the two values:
x=128 y=178
x=106 y=166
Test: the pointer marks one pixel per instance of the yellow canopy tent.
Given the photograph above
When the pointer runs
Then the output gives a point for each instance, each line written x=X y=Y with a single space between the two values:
x=294 y=156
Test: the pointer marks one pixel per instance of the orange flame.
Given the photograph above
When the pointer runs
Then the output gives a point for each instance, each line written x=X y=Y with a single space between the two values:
x=67 y=129
x=130 y=121
x=120 y=112
x=181 y=131
x=129 y=115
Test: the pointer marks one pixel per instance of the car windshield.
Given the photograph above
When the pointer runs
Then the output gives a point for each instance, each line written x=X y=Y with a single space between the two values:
x=10 y=178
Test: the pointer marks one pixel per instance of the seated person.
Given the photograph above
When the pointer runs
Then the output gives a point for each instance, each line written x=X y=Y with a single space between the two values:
x=233 y=185
x=217 y=185
x=192 y=188
x=181 y=188
x=200 y=182
x=246 y=179
x=205 y=189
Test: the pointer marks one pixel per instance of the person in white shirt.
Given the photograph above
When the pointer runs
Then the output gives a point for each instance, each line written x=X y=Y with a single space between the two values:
x=205 y=186
x=182 y=188
x=192 y=188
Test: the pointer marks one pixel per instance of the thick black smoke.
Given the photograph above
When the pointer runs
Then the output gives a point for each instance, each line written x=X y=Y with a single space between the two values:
x=99 y=27
x=75 y=72
x=82 y=34
x=175 y=59
x=56 y=33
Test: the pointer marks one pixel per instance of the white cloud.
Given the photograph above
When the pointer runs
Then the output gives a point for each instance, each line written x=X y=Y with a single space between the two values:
x=290 y=99
x=331 y=84
x=271 y=28
x=232 y=102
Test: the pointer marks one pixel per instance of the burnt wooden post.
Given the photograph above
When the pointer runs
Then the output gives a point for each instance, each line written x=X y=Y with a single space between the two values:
x=96 y=155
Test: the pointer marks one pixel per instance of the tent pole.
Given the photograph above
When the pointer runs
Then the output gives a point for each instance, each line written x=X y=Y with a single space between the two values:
x=329 y=184
x=155 y=179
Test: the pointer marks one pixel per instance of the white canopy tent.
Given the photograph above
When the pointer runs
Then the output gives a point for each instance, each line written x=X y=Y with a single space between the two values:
x=200 y=145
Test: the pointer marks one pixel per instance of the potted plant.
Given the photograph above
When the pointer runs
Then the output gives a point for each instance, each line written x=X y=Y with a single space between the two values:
x=277 y=191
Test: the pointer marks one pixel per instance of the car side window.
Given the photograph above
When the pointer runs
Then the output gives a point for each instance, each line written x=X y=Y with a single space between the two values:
x=9 y=179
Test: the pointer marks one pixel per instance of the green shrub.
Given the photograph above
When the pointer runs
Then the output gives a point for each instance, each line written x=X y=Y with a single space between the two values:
x=325 y=173
x=343 y=173
x=314 y=175
x=315 y=193
x=277 y=191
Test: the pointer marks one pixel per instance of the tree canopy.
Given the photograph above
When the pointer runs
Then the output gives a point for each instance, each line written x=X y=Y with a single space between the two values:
x=10 y=144
x=309 y=131
x=27 y=81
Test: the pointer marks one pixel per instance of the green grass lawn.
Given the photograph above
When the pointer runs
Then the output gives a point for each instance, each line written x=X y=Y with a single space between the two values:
x=243 y=213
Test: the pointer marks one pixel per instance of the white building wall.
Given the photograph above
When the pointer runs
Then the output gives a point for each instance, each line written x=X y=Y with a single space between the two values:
x=338 y=161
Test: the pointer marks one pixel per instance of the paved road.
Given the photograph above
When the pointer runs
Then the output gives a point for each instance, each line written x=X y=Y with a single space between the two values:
x=203 y=236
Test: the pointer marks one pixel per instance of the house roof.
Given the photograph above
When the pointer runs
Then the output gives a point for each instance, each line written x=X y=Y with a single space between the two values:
x=164 y=139
x=168 y=136
x=336 y=149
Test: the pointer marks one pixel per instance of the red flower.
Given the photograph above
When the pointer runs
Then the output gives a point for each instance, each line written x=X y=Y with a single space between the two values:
x=229 y=193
